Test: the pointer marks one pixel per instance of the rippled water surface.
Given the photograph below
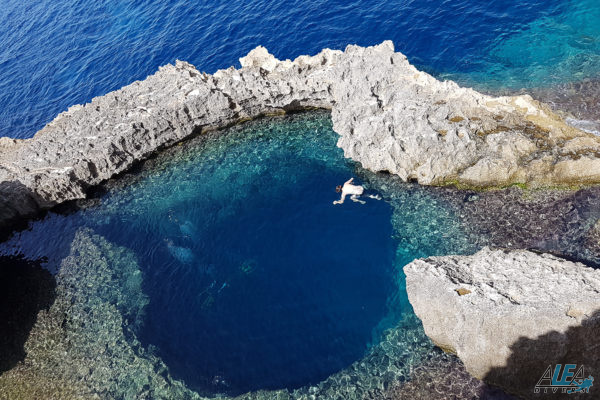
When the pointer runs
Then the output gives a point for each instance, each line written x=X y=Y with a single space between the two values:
x=54 y=54
x=255 y=279
x=221 y=267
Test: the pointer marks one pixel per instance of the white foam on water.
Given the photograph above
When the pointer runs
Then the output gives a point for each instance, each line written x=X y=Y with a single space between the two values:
x=585 y=125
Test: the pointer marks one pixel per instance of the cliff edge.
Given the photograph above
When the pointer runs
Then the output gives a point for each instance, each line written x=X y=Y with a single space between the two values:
x=390 y=117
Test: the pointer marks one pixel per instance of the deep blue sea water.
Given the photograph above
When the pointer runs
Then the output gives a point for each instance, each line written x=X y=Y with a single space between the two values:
x=255 y=279
x=54 y=54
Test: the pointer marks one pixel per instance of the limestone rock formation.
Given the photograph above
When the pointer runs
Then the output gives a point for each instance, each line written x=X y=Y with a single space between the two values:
x=390 y=117
x=509 y=314
x=395 y=118
x=90 y=143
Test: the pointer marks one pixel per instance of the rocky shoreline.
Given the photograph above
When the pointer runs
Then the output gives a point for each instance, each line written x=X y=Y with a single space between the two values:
x=390 y=117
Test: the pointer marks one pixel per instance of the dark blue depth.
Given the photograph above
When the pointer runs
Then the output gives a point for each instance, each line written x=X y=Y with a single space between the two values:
x=54 y=54
x=284 y=293
x=256 y=280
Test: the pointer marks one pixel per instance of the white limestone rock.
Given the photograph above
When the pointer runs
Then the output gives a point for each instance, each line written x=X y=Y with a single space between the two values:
x=509 y=314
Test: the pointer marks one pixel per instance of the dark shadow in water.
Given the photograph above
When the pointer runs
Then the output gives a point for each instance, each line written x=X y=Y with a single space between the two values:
x=530 y=358
x=25 y=289
x=17 y=204
x=442 y=377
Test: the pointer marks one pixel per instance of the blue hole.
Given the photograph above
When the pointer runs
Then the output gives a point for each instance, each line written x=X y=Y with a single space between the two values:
x=256 y=280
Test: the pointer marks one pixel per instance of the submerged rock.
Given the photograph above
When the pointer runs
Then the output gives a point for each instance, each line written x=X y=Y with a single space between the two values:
x=25 y=289
x=85 y=346
x=525 y=311
x=581 y=99
x=441 y=378
x=390 y=116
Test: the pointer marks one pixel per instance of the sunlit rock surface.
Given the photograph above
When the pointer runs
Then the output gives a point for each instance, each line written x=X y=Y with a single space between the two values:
x=390 y=117
x=423 y=223
x=509 y=314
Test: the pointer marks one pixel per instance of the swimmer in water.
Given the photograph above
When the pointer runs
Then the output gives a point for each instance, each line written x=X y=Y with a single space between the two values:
x=354 y=191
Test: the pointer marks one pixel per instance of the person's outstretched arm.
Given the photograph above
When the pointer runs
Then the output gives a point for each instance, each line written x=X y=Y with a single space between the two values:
x=349 y=181
x=341 y=200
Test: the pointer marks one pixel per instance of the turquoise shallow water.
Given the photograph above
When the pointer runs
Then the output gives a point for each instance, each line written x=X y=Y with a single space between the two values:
x=557 y=48
x=54 y=54
x=221 y=266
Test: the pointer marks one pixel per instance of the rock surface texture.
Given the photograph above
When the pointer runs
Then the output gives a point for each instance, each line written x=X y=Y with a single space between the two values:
x=390 y=117
x=509 y=314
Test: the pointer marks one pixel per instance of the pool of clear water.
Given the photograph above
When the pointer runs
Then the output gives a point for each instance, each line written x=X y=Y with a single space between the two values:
x=255 y=280
x=250 y=278
x=223 y=264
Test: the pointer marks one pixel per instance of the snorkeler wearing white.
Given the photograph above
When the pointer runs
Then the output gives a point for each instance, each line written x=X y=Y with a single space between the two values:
x=354 y=191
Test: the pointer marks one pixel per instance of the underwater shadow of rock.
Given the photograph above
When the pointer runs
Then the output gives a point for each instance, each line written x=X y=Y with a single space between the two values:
x=444 y=377
x=17 y=204
x=84 y=346
x=530 y=358
x=25 y=289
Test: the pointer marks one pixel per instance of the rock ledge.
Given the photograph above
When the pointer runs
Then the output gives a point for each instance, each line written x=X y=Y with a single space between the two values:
x=390 y=117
